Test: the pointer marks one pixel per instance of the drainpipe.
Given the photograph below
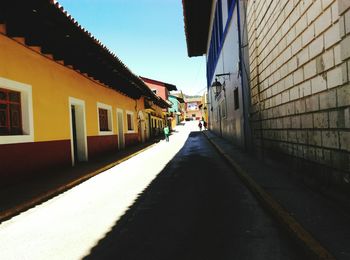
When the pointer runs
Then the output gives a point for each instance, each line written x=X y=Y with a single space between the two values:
x=244 y=73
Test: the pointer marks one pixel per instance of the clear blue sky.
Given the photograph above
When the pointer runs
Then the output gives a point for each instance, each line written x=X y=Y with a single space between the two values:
x=147 y=36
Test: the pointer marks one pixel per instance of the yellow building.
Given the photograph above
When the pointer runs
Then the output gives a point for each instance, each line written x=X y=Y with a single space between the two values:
x=155 y=117
x=204 y=106
x=64 y=98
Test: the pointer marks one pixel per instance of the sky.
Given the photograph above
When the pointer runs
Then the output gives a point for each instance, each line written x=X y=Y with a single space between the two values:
x=146 y=35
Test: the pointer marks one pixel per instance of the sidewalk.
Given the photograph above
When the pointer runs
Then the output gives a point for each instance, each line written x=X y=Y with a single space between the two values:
x=319 y=225
x=17 y=198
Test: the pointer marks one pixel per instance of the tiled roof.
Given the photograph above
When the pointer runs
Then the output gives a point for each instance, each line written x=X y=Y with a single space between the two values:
x=170 y=87
x=44 y=23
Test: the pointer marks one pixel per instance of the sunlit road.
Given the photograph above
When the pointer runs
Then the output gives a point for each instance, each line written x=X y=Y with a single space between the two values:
x=195 y=209
x=69 y=225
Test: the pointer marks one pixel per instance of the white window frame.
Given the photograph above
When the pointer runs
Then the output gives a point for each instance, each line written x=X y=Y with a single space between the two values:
x=132 y=121
x=110 y=118
x=26 y=110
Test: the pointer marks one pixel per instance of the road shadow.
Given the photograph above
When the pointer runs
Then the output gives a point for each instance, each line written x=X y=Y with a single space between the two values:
x=193 y=210
x=178 y=216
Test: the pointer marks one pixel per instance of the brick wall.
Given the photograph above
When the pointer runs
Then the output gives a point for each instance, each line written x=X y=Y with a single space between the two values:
x=299 y=52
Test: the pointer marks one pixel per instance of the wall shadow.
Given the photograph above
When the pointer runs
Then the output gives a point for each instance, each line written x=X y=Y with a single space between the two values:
x=176 y=217
x=195 y=209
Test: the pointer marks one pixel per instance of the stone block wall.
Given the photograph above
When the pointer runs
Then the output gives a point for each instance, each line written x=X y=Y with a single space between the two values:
x=299 y=52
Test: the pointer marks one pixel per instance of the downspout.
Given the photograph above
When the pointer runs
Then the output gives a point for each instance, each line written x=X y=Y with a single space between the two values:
x=245 y=77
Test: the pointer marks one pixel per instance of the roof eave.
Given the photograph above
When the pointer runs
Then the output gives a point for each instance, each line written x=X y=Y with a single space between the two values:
x=197 y=21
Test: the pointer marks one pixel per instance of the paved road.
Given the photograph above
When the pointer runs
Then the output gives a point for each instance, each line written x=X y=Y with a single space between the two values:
x=176 y=200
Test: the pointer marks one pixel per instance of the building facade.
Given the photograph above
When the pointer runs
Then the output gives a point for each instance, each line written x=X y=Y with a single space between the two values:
x=204 y=106
x=175 y=110
x=154 y=117
x=162 y=90
x=193 y=110
x=299 y=66
x=221 y=43
x=62 y=99
x=283 y=69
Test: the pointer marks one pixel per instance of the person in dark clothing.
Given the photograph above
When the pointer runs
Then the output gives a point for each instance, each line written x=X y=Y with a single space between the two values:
x=200 y=126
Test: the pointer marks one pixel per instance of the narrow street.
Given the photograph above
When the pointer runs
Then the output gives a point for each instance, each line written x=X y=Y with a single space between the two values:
x=87 y=107
x=177 y=200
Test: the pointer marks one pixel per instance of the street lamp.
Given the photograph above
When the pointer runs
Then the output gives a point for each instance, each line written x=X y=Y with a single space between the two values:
x=217 y=87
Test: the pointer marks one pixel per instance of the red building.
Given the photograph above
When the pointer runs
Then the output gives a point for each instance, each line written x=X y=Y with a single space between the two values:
x=159 y=88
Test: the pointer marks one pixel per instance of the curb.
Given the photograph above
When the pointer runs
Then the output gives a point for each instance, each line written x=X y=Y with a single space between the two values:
x=293 y=227
x=10 y=213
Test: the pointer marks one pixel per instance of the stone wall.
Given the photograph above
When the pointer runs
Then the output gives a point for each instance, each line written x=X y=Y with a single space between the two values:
x=299 y=52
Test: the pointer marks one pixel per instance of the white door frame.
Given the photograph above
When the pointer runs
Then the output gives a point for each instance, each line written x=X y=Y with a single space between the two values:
x=80 y=120
x=141 y=119
x=120 y=145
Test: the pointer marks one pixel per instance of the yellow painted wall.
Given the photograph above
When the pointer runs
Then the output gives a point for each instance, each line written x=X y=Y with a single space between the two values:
x=173 y=122
x=52 y=85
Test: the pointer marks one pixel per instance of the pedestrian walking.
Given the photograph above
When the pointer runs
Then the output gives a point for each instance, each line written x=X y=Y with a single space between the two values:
x=205 y=125
x=200 y=126
x=166 y=133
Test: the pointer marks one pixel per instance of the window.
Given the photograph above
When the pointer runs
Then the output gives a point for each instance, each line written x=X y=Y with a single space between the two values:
x=104 y=119
x=16 y=112
x=10 y=112
x=236 y=98
x=154 y=91
x=130 y=121
x=103 y=116
x=192 y=106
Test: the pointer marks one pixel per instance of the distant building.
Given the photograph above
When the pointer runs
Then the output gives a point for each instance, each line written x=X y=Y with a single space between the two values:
x=159 y=88
x=162 y=90
x=193 y=110
x=181 y=104
x=64 y=98
x=204 y=107
x=175 y=110
x=155 y=117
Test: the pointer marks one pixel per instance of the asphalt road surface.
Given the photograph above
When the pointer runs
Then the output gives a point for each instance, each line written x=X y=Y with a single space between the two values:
x=177 y=200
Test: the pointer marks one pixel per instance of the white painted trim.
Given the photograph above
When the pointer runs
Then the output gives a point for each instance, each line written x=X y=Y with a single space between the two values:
x=128 y=112
x=141 y=121
x=122 y=112
x=110 y=118
x=77 y=102
x=27 y=112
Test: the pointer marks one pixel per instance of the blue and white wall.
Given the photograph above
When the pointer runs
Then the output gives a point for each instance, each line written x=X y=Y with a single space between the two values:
x=226 y=114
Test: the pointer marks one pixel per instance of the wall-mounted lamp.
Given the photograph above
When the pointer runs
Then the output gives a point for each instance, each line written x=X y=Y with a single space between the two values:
x=217 y=86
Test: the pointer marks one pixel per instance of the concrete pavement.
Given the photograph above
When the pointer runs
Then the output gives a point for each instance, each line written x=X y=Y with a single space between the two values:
x=314 y=221
x=18 y=197
x=68 y=225
x=196 y=209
